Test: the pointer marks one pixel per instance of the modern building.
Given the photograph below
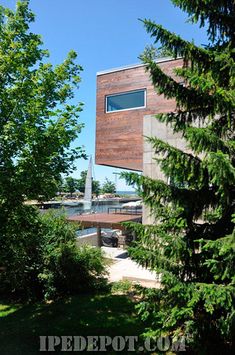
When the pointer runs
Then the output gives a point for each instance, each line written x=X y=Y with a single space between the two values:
x=126 y=105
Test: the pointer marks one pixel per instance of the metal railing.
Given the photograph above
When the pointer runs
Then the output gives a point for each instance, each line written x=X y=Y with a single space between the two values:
x=121 y=210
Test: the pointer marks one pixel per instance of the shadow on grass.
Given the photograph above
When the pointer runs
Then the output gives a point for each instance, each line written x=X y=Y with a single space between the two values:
x=108 y=315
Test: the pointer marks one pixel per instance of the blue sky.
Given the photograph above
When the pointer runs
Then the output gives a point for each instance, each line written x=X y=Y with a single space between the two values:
x=105 y=34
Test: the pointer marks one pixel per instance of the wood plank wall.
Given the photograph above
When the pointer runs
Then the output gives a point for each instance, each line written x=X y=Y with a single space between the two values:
x=119 y=135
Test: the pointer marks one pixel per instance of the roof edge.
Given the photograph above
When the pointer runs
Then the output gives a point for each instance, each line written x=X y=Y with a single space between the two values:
x=132 y=66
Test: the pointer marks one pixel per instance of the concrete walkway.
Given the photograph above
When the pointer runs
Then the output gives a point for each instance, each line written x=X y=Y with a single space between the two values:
x=123 y=268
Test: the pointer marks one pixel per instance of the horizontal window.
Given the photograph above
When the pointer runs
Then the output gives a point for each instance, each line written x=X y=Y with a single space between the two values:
x=126 y=101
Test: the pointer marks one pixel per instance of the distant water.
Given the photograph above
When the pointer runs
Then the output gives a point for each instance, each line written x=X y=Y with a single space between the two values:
x=99 y=207
x=127 y=193
x=96 y=207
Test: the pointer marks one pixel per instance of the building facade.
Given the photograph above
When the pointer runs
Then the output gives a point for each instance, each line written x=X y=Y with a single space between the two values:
x=126 y=105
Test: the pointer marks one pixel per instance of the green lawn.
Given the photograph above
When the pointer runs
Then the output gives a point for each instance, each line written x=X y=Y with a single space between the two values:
x=20 y=326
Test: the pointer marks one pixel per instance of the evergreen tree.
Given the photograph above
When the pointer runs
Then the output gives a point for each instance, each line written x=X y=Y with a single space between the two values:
x=192 y=243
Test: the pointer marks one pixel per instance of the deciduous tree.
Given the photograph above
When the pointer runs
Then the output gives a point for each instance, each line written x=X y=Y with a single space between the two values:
x=37 y=122
x=108 y=187
x=70 y=185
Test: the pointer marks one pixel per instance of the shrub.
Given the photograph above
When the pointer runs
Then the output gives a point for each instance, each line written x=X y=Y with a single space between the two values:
x=43 y=261
x=20 y=253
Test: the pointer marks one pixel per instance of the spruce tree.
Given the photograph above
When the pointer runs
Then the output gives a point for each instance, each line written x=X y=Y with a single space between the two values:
x=192 y=243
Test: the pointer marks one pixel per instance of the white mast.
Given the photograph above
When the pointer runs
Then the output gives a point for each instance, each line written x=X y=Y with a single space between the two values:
x=88 y=187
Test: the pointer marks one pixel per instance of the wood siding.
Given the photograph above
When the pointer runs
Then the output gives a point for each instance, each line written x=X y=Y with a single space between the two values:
x=119 y=135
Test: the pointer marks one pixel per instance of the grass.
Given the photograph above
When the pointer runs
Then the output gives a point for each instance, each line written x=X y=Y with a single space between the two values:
x=108 y=314
x=121 y=287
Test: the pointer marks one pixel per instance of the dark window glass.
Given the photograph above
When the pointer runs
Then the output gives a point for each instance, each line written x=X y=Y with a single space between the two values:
x=125 y=101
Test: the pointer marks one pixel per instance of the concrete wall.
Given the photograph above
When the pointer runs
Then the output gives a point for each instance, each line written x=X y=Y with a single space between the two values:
x=153 y=128
x=89 y=239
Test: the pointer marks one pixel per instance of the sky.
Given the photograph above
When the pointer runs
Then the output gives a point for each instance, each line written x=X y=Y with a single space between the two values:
x=106 y=34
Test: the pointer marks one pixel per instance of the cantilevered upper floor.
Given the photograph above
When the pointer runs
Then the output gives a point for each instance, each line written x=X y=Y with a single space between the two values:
x=124 y=96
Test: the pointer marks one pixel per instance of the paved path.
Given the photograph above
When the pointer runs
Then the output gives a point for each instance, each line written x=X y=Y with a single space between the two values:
x=123 y=268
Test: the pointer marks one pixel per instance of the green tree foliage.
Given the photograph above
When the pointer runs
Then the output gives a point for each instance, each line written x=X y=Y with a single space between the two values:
x=95 y=187
x=108 y=187
x=192 y=244
x=156 y=53
x=70 y=185
x=43 y=262
x=37 y=124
